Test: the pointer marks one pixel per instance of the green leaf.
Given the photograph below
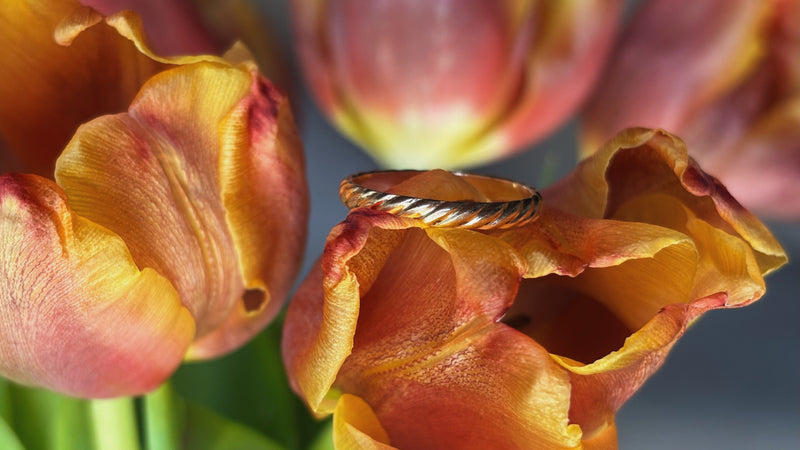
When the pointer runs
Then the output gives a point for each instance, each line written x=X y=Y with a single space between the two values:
x=324 y=439
x=206 y=430
x=172 y=423
x=8 y=440
x=250 y=387
x=5 y=401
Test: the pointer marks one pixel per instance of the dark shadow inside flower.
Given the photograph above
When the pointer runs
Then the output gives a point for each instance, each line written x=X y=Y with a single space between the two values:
x=254 y=300
x=564 y=320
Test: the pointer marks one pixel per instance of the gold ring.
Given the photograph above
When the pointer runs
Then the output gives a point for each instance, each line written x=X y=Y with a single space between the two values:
x=520 y=203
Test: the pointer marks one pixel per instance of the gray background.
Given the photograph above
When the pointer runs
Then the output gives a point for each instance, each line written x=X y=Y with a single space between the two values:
x=732 y=382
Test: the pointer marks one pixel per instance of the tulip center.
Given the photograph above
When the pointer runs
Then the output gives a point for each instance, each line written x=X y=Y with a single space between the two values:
x=564 y=321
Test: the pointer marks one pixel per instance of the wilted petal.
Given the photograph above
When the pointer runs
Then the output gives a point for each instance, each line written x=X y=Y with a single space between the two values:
x=88 y=322
x=186 y=178
x=599 y=389
x=566 y=244
x=64 y=64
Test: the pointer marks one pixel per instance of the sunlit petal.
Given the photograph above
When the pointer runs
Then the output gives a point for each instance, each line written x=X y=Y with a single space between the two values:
x=356 y=427
x=88 y=322
x=183 y=180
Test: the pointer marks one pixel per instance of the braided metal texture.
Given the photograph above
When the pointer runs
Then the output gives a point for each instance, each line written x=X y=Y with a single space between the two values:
x=440 y=213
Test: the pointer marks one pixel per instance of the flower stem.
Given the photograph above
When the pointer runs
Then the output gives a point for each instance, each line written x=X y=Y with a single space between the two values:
x=115 y=424
x=162 y=419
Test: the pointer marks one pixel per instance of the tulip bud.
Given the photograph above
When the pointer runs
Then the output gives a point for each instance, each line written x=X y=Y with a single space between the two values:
x=174 y=230
x=425 y=84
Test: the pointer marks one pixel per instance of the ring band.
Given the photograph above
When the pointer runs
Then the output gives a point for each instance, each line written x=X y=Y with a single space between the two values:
x=522 y=209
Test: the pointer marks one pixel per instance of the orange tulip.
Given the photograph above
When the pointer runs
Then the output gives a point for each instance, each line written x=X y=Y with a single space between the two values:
x=172 y=230
x=724 y=75
x=421 y=84
x=524 y=338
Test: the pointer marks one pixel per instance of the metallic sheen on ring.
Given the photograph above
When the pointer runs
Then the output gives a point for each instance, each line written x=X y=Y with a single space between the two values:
x=441 y=213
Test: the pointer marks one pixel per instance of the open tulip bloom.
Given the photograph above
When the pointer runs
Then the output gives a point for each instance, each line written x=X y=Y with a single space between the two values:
x=173 y=228
x=531 y=337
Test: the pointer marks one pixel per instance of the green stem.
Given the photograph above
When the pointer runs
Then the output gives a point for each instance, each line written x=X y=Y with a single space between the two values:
x=162 y=417
x=114 y=424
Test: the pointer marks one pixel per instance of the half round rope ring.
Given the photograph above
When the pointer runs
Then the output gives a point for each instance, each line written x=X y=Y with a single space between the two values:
x=519 y=207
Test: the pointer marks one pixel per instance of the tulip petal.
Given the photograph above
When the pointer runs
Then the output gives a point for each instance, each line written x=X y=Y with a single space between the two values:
x=87 y=321
x=771 y=146
x=683 y=246
x=356 y=427
x=322 y=316
x=567 y=244
x=265 y=195
x=570 y=50
x=41 y=102
x=414 y=99
x=640 y=161
x=173 y=26
x=160 y=177
x=601 y=388
x=495 y=389
x=358 y=251
x=714 y=44
x=336 y=337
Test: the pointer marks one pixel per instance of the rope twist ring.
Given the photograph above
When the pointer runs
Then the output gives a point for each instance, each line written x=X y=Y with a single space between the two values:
x=467 y=214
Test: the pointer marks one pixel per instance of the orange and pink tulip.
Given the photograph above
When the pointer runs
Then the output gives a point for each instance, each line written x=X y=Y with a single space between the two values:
x=170 y=229
x=524 y=338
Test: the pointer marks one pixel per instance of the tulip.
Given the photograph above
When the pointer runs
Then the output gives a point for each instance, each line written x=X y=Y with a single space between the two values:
x=725 y=76
x=422 y=84
x=531 y=337
x=171 y=231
